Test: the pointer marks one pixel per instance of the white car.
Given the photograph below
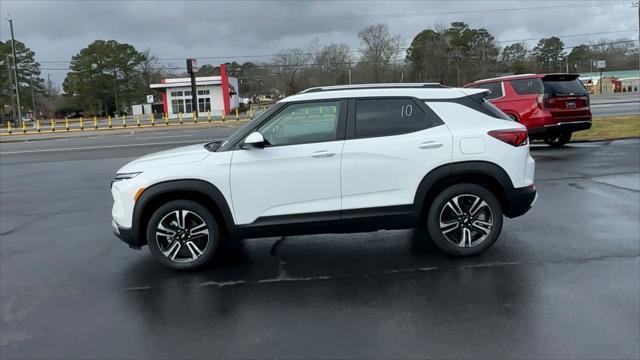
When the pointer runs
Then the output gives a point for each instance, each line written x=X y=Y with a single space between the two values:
x=336 y=159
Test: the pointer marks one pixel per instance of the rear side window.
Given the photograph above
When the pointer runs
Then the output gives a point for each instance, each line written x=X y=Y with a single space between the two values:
x=527 y=86
x=564 y=87
x=494 y=87
x=384 y=117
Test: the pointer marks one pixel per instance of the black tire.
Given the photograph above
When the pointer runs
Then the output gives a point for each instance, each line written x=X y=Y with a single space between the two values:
x=465 y=194
x=195 y=213
x=558 y=140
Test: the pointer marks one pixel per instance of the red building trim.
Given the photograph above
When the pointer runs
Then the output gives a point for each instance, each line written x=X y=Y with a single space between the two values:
x=165 y=104
x=225 y=89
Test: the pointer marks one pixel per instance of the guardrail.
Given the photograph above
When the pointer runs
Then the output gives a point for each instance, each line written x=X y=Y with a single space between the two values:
x=116 y=122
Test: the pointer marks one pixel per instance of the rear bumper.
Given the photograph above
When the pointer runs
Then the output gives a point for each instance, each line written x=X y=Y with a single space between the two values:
x=520 y=200
x=560 y=128
x=128 y=235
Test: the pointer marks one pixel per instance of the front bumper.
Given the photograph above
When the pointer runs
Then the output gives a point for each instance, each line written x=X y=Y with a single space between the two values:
x=520 y=200
x=129 y=235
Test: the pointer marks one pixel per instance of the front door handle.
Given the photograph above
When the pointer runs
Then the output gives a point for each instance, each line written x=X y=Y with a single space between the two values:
x=322 y=154
x=430 y=145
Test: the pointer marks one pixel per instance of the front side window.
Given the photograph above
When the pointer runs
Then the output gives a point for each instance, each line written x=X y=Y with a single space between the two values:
x=384 y=117
x=303 y=124
x=527 y=86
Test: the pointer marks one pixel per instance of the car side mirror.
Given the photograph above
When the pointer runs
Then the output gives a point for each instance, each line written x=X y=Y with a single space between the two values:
x=254 y=140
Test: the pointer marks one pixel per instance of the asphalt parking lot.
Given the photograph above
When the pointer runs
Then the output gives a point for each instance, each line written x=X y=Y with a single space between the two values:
x=563 y=281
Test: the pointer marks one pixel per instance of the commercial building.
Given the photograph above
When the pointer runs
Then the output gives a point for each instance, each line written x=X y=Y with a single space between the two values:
x=216 y=94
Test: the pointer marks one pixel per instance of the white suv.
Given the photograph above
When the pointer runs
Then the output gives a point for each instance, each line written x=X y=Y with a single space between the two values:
x=335 y=160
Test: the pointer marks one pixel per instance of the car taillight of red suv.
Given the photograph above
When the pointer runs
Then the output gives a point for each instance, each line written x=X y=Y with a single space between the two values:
x=551 y=106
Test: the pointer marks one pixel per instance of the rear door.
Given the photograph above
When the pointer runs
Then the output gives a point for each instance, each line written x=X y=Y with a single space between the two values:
x=392 y=143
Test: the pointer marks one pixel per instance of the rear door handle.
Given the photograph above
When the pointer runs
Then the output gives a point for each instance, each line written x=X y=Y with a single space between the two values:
x=322 y=154
x=430 y=145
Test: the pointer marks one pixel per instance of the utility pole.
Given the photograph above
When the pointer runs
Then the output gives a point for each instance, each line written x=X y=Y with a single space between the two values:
x=349 y=72
x=13 y=99
x=49 y=83
x=637 y=4
x=33 y=101
x=115 y=91
x=15 y=71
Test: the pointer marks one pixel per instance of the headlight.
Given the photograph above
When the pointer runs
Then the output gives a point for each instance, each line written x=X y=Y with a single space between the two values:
x=126 y=176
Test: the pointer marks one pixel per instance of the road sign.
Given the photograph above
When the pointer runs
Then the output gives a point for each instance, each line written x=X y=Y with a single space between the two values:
x=192 y=66
x=149 y=99
x=601 y=64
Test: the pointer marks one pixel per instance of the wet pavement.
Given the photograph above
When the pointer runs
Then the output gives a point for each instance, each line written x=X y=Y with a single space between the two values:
x=563 y=281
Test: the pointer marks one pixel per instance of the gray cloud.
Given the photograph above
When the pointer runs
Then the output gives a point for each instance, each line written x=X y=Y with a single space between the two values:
x=56 y=30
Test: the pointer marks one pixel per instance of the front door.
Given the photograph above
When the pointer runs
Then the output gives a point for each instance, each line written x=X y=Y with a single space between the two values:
x=297 y=173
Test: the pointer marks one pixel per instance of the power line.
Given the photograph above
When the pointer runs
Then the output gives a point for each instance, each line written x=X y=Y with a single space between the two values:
x=350 y=51
x=347 y=63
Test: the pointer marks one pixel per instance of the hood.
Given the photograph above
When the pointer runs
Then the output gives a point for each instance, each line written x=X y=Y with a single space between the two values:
x=181 y=155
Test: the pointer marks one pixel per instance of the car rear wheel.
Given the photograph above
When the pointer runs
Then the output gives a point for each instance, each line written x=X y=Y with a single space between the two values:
x=558 y=140
x=183 y=235
x=465 y=219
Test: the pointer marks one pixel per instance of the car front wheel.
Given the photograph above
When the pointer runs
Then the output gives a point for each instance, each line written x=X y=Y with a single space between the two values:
x=465 y=219
x=183 y=235
x=558 y=140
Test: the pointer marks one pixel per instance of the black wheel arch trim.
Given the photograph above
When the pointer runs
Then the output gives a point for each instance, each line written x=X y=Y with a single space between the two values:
x=485 y=168
x=213 y=194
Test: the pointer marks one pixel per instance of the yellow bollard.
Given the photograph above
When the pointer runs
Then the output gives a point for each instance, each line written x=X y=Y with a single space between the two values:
x=66 y=123
x=95 y=122
x=250 y=113
x=109 y=121
x=38 y=125
x=124 y=121
x=24 y=127
x=223 y=114
x=180 y=117
x=9 y=126
x=138 y=120
x=237 y=114
x=209 y=115
x=81 y=123
x=153 y=119
x=195 y=118
x=166 y=119
x=53 y=125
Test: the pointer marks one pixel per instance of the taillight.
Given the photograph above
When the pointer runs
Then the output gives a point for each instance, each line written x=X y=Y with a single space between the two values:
x=542 y=101
x=515 y=137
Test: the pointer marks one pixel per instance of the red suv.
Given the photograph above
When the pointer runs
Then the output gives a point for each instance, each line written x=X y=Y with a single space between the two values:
x=551 y=106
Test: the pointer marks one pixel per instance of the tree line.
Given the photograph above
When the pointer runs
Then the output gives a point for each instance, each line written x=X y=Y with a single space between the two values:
x=107 y=77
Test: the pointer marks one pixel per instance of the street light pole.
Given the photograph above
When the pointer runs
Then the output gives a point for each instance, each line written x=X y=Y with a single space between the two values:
x=33 y=100
x=15 y=70
x=49 y=83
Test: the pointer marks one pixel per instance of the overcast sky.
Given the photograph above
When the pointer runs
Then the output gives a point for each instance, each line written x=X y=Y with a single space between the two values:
x=56 y=30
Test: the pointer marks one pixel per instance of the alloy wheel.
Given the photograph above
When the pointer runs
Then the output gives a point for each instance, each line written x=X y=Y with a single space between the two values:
x=466 y=220
x=182 y=236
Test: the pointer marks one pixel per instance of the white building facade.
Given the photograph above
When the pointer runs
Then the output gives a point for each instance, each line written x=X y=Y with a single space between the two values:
x=216 y=96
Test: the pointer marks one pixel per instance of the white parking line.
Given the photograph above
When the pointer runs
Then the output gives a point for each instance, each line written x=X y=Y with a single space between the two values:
x=100 y=147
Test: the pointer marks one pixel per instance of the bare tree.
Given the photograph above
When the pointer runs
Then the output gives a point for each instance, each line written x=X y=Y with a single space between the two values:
x=379 y=48
x=289 y=63
x=332 y=64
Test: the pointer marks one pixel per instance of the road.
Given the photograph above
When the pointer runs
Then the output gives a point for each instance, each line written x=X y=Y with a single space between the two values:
x=615 y=104
x=562 y=281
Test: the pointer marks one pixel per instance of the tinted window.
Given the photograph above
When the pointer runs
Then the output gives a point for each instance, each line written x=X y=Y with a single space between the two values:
x=303 y=123
x=384 y=117
x=564 y=87
x=527 y=86
x=495 y=88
